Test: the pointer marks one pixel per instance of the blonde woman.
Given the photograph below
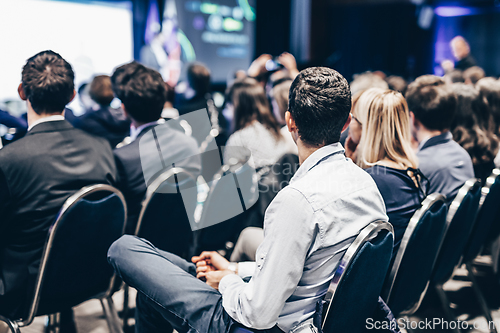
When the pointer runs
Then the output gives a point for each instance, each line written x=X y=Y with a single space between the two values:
x=385 y=152
x=359 y=110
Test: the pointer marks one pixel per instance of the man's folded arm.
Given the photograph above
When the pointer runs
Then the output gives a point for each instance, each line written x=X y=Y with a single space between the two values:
x=289 y=232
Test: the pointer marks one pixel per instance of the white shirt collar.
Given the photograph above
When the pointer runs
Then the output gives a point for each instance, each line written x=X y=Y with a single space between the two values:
x=134 y=132
x=46 y=119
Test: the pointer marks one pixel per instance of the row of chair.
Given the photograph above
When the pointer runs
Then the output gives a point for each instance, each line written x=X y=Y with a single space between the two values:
x=435 y=242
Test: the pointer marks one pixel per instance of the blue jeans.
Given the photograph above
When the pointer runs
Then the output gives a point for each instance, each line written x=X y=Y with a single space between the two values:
x=169 y=294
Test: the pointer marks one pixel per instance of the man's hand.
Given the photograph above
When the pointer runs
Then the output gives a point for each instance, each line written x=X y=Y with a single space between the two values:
x=213 y=278
x=447 y=65
x=258 y=66
x=210 y=261
x=288 y=61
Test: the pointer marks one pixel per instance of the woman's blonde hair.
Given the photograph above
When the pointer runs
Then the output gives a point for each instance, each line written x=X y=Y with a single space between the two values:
x=386 y=132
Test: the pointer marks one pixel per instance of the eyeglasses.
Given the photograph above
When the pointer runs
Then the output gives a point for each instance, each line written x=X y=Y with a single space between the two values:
x=360 y=124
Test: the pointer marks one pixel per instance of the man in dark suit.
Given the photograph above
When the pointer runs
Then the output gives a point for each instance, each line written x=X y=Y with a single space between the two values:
x=103 y=120
x=39 y=172
x=155 y=143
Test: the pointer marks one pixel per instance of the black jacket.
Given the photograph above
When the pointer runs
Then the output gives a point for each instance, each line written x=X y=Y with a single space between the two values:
x=176 y=147
x=37 y=174
x=106 y=122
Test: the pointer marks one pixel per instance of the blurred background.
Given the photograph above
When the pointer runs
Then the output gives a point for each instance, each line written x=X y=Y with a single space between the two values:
x=399 y=37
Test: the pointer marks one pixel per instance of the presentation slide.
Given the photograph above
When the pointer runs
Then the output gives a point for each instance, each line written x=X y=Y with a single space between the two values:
x=94 y=37
x=221 y=33
x=218 y=33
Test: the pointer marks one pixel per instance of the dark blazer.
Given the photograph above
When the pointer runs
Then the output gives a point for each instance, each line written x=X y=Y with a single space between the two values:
x=176 y=148
x=37 y=174
x=106 y=122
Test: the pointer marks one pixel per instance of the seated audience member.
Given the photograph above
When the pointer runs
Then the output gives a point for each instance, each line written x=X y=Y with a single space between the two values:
x=195 y=97
x=489 y=89
x=169 y=112
x=386 y=153
x=473 y=74
x=360 y=103
x=104 y=121
x=471 y=128
x=143 y=93
x=361 y=83
x=443 y=162
x=39 y=172
x=366 y=81
x=397 y=83
x=454 y=76
x=295 y=262
x=279 y=102
x=19 y=124
x=255 y=127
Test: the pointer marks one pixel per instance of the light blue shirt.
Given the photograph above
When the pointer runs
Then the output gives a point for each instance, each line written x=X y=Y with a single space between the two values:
x=307 y=228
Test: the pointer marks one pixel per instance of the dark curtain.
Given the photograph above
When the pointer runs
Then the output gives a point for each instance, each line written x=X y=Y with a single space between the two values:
x=375 y=37
x=272 y=26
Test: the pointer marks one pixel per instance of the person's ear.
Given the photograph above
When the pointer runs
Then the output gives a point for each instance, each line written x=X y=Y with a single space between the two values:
x=73 y=96
x=21 y=92
x=348 y=121
x=124 y=111
x=290 y=122
x=413 y=120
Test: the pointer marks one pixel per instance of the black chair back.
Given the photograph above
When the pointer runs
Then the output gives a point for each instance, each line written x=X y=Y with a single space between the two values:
x=486 y=228
x=166 y=215
x=460 y=220
x=410 y=272
x=74 y=266
x=354 y=290
x=233 y=193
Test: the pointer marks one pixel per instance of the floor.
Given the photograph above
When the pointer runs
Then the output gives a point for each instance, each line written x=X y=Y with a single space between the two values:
x=90 y=319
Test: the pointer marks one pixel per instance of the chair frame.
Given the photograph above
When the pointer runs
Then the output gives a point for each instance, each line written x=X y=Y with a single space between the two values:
x=153 y=187
x=365 y=235
x=105 y=298
x=427 y=204
x=150 y=191
x=485 y=190
x=454 y=206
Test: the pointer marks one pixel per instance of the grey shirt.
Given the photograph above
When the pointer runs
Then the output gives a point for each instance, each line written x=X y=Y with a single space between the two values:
x=446 y=164
x=307 y=228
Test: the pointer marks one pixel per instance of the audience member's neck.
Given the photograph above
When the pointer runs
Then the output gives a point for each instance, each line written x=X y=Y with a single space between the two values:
x=33 y=117
x=138 y=124
x=305 y=150
x=424 y=134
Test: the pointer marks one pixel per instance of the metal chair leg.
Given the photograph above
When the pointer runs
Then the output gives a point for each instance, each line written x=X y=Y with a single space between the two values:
x=13 y=327
x=445 y=303
x=111 y=315
x=126 y=308
x=480 y=297
x=53 y=323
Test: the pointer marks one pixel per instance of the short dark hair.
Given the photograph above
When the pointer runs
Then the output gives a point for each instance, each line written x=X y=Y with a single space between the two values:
x=101 y=90
x=432 y=102
x=319 y=102
x=474 y=74
x=455 y=76
x=141 y=90
x=198 y=76
x=48 y=82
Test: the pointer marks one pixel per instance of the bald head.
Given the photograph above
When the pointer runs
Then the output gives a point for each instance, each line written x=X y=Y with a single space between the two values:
x=459 y=47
